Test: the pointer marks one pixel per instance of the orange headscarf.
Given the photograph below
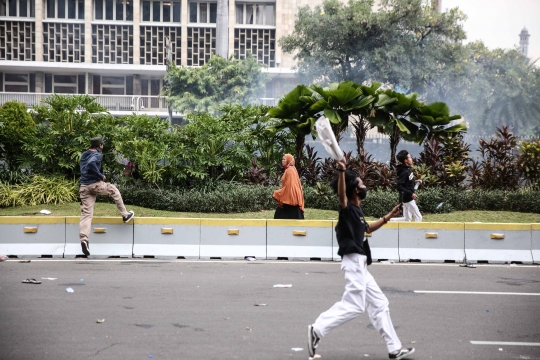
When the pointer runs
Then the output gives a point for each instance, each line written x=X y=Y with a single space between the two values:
x=291 y=188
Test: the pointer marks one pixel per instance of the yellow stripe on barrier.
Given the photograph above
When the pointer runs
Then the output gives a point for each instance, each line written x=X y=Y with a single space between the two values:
x=432 y=235
x=98 y=220
x=299 y=233
x=300 y=223
x=497 y=226
x=233 y=222
x=30 y=229
x=167 y=230
x=233 y=232
x=431 y=225
x=14 y=220
x=497 y=236
x=166 y=221
x=100 y=230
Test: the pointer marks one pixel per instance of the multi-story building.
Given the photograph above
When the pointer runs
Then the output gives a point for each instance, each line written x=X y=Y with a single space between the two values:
x=117 y=50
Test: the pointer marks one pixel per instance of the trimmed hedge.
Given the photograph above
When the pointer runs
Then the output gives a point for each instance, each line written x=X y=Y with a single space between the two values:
x=231 y=197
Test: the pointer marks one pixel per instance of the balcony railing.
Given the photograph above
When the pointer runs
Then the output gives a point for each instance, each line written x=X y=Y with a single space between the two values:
x=135 y=103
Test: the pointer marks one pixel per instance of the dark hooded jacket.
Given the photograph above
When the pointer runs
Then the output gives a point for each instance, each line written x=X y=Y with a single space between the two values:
x=91 y=167
x=405 y=183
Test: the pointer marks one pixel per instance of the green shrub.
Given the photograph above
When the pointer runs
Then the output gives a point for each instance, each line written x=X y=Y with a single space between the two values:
x=228 y=197
x=16 y=126
x=39 y=190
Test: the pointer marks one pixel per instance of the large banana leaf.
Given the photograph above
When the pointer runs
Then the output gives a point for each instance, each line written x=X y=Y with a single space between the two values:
x=332 y=115
x=360 y=103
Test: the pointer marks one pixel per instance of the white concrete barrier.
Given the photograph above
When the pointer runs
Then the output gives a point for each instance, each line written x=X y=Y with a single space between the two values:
x=535 y=246
x=494 y=242
x=32 y=236
x=233 y=238
x=166 y=237
x=431 y=241
x=383 y=243
x=109 y=236
x=299 y=239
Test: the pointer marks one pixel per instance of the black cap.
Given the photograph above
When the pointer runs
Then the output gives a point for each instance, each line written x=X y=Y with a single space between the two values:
x=95 y=142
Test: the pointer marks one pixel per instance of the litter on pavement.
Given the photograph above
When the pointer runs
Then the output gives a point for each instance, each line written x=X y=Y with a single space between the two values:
x=283 y=285
x=297 y=349
x=261 y=304
x=48 y=278
x=70 y=290
x=100 y=321
x=31 y=281
x=45 y=212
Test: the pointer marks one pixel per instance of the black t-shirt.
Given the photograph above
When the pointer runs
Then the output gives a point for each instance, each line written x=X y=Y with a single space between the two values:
x=350 y=230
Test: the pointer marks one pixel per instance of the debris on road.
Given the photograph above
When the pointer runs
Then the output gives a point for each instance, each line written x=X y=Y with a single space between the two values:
x=31 y=281
x=297 y=349
x=100 y=321
x=247 y=328
x=48 y=278
x=45 y=212
x=24 y=261
x=250 y=258
x=317 y=356
x=283 y=285
x=261 y=304
x=387 y=262
x=70 y=290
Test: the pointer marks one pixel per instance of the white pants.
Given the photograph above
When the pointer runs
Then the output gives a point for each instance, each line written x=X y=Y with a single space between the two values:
x=410 y=210
x=361 y=292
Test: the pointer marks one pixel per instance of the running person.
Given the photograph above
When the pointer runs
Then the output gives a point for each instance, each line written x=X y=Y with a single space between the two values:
x=406 y=186
x=93 y=184
x=361 y=291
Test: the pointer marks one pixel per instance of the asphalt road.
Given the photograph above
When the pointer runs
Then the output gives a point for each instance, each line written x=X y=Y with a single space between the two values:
x=205 y=310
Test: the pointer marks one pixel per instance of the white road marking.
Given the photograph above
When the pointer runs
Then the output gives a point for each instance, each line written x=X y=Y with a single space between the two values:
x=473 y=293
x=504 y=343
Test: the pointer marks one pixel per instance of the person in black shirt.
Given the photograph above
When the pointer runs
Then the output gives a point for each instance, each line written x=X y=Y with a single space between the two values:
x=361 y=291
x=406 y=186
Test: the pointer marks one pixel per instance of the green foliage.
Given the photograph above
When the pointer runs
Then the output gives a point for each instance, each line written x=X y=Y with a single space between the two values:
x=217 y=83
x=401 y=42
x=65 y=125
x=529 y=163
x=39 y=190
x=491 y=88
x=499 y=168
x=16 y=125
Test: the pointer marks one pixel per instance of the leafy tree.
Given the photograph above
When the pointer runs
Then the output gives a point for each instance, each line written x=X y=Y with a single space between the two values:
x=217 y=83
x=65 y=125
x=16 y=125
x=402 y=42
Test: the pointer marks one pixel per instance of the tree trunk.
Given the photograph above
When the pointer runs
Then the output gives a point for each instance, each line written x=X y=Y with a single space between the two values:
x=395 y=138
x=300 y=140
x=222 y=29
x=361 y=127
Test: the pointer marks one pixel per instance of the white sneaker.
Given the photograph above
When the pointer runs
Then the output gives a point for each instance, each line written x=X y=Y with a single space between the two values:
x=402 y=354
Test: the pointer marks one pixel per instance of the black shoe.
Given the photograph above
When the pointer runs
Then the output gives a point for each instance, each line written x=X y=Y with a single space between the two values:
x=402 y=354
x=128 y=217
x=313 y=341
x=85 y=247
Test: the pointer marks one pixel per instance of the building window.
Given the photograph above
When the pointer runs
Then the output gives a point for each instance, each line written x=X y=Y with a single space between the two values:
x=18 y=82
x=64 y=84
x=201 y=45
x=17 y=40
x=154 y=44
x=255 y=14
x=113 y=85
x=261 y=43
x=63 y=42
x=17 y=8
x=65 y=9
x=161 y=11
x=119 y=10
x=202 y=12
x=112 y=44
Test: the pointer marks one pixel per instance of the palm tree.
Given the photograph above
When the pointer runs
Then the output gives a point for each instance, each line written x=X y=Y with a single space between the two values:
x=294 y=111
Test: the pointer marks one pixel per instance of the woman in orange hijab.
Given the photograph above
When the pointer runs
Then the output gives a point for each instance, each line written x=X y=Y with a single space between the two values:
x=290 y=197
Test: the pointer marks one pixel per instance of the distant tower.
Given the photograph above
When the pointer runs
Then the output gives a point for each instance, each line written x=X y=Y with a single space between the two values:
x=524 y=41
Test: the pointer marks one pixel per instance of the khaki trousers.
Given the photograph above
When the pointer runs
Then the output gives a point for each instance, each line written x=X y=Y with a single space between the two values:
x=88 y=195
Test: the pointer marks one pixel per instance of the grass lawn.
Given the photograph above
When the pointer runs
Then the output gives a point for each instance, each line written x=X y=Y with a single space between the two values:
x=103 y=209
